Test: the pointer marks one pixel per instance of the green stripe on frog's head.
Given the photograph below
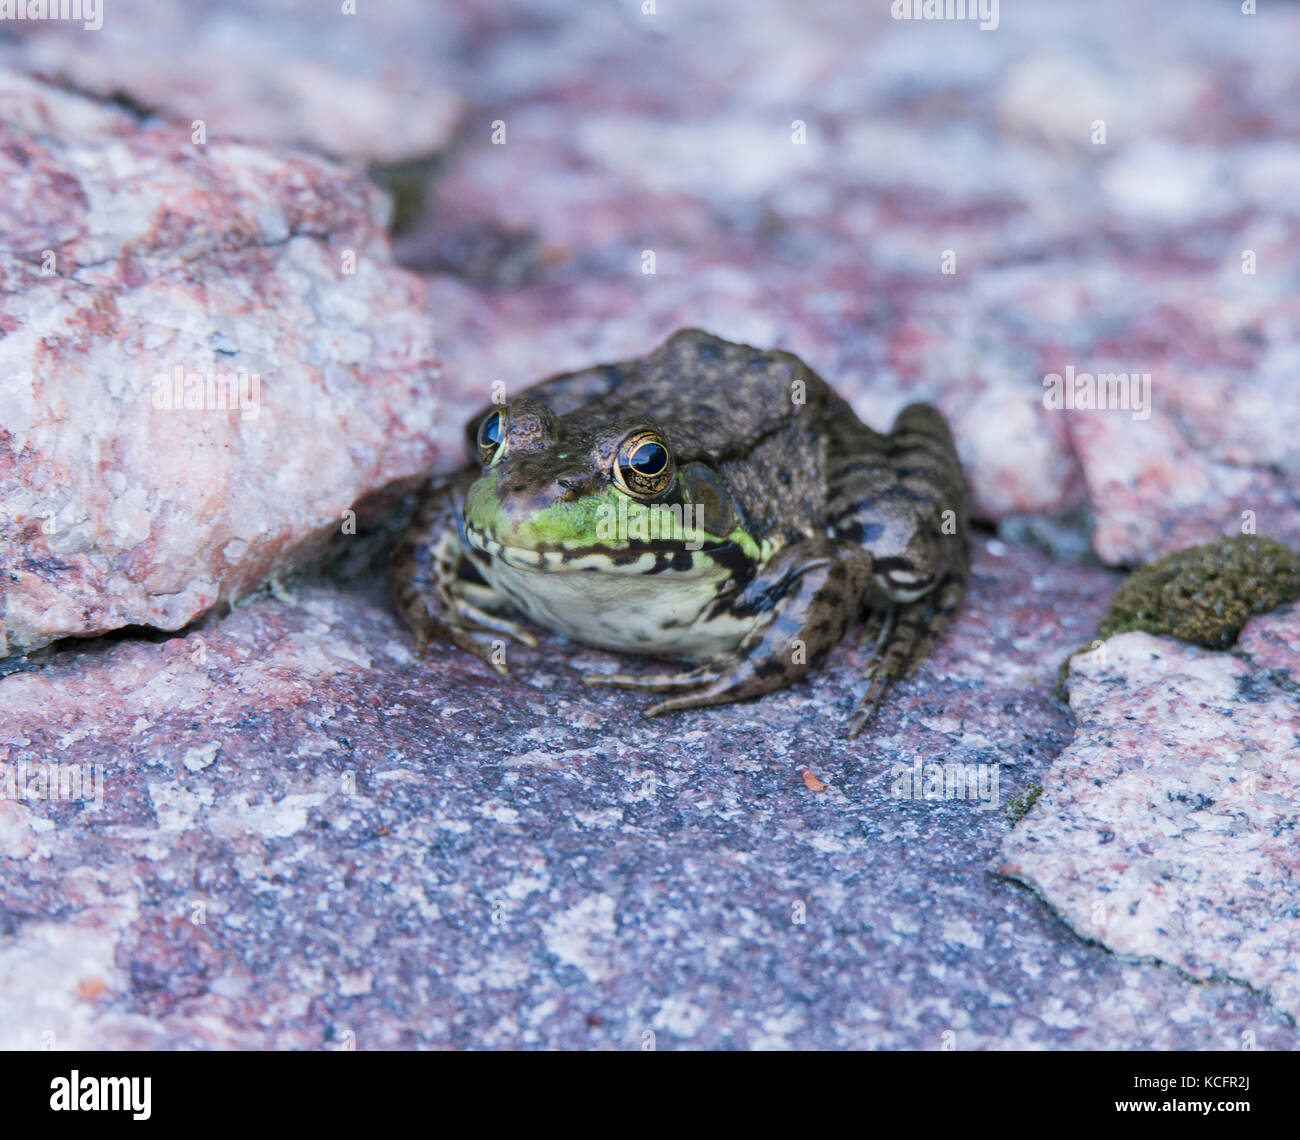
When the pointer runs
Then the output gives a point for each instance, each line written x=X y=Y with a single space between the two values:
x=601 y=527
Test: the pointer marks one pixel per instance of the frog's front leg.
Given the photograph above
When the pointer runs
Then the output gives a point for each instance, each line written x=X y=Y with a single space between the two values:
x=438 y=590
x=812 y=590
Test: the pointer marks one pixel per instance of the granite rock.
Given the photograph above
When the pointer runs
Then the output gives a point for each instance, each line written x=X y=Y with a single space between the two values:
x=1166 y=828
x=206 y=357
x=289 y=72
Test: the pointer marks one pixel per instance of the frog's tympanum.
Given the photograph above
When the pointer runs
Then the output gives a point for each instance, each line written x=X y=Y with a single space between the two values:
x=710 y=503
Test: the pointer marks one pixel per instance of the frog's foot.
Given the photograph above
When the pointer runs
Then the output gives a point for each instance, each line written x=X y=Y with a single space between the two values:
x=906 y=636
x=890 y=662
x=481 y=620
x=738 y=683
x=439 y=594
x=656 y=682
x=469 y=629
x=480 y=647
x=879 y=628
x=811 y=592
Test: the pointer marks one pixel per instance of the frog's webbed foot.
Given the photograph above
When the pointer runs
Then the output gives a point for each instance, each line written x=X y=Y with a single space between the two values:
x=704 y=685
x=907 y=633
x=656 y=682
x=479 y=646
x=438 y=595
x=735 y=684
x=481 y=620
x=893 y=657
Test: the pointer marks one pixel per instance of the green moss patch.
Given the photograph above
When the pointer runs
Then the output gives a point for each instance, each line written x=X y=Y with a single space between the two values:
x=1018 y=805
x=1205 y=594
x=1202 y=594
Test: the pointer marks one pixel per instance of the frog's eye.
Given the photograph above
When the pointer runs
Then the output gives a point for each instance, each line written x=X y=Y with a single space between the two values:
x=643 y=468
x=492 y=437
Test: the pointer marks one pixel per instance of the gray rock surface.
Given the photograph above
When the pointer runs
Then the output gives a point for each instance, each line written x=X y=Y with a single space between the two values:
x=1167 y=827
x=306 y=839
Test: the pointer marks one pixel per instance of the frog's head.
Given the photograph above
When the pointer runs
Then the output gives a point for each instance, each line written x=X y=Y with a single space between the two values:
x=600 y=491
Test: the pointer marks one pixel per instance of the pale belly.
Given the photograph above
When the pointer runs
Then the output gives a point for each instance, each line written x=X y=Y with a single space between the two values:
x=627 y=611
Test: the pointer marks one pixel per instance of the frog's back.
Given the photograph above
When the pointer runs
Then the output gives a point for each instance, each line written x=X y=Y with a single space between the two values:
x=716 y=397
x=758 y=416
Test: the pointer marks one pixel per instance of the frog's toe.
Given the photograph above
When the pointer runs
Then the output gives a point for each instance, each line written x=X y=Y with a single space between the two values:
x=720 y=691
x=467 y=635
x=895 y=656
x=485 y=651
x=867 y=705
x=655 y=682
x=877 y=631
x=481 y=619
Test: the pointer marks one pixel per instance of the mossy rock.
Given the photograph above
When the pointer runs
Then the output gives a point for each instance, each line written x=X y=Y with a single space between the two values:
x=1205 y=594
x=1202 y=594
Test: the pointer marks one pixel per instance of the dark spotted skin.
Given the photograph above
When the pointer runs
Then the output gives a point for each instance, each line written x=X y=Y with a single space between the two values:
x=851 y=523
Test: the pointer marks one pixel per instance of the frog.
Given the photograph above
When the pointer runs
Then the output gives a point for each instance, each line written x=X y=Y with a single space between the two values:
x=713 y=505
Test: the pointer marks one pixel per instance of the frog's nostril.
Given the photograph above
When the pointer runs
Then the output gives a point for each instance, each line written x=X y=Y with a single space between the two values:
x=569 y=485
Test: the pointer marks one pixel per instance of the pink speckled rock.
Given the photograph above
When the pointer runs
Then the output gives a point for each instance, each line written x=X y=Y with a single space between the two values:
x=1166 y=828
x=1274 y=643
x=1216 y=451
x=206 y=356
x=272 y=71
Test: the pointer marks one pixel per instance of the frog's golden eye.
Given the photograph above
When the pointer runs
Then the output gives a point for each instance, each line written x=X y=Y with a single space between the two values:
x=492 y=437
x=643 y=468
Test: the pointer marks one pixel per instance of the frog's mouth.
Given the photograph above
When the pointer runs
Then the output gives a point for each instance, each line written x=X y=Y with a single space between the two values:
x=635 y=557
